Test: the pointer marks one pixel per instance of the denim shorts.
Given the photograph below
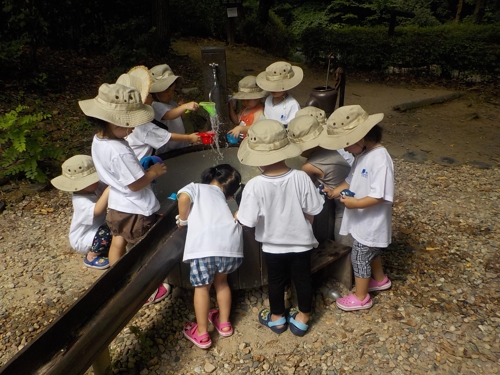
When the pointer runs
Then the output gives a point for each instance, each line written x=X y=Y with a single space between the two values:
x=202 y=271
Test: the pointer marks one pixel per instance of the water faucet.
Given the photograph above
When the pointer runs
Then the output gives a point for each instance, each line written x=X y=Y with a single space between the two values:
x=214 y=71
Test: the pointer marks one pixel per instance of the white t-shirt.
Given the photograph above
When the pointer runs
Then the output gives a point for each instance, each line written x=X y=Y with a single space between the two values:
x=212 y=229
x=147 y=137
x=275 y=206
x=118 y=167
x=84 y=224
x=372 y=174
x=174 y=126
x=349 y=158
x=283 y=112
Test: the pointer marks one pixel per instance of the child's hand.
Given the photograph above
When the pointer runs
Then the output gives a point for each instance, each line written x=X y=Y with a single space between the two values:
x=158 y=169
x=349 y=202
x=191 y=106
x=194 y=138
x=235 y=132
x=328 y=192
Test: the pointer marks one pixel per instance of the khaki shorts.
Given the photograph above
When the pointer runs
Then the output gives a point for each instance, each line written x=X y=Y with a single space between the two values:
x=132 y=227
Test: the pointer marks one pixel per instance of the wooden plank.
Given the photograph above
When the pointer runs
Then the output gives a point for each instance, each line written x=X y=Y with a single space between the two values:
x=327 y=252
x=249 y=274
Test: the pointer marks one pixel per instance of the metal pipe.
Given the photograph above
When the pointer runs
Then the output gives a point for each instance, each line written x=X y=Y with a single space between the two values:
x=214 y=71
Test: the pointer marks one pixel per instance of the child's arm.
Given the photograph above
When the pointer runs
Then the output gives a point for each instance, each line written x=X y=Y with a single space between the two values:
x=191 y=138
x=310 y=218
x=238 y=129
x=156 y=170
x=312 y=171
x=102 y=203
x=351 y=202
x=184 y=204
x=180 y=110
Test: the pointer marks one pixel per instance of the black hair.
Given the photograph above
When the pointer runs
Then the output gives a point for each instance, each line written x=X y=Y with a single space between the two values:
x=225 y=175
x=101 y=125
x=374 y=135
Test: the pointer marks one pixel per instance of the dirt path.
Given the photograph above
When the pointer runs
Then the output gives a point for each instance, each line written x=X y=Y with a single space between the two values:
x=460 y=131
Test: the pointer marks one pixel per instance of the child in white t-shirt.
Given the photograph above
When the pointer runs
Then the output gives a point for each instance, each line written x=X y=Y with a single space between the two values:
x=132 y=205
x=214 y=248
x=88 y=233
x=168 y=111
x=280 y=204
x=278 y=78
x=368 y=214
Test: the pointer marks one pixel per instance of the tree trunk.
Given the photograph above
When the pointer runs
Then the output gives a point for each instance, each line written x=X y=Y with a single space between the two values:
x=263 y=11
x=479 y=12
x=160 y=21
x=459 y=11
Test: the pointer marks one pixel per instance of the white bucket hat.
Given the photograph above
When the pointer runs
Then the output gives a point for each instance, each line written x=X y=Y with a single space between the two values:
x=266 y=144
x=138 y=77
x=78 y=172
x=305 y=131
x=162 y=77
x=248 y=89
x=119 y=105
x=315 y=112
x=280 y=76
x=348 y=125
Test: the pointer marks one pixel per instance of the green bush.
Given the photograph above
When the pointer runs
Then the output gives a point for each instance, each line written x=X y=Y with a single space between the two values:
x=453 y=48
x=23 y=144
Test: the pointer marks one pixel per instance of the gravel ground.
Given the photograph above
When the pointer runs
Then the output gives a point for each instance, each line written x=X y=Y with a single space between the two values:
x=441 y=316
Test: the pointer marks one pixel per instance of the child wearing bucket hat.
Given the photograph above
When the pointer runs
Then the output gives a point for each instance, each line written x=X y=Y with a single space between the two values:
x=278 y=78
x=167 y=111
x=132 y=205
x=368 y=215
x=252 y=110
x=280 y=204
x=320 y=115
x=88 y=232
x=152 y=136
x=214 y=248
x=326 y=167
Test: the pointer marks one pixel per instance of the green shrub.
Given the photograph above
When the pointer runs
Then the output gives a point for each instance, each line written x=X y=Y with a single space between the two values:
x=453 y=48
x=23 y=144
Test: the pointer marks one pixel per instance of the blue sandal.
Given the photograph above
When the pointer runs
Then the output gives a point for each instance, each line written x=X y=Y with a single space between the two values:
x=265 y=319
x=297 y=328
x=99 y=263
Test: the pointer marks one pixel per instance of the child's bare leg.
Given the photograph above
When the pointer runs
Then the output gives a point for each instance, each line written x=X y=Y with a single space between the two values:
x=223 y=298
x=361 y=287
x=117 y=249
x=377 y=270
x=201 y=307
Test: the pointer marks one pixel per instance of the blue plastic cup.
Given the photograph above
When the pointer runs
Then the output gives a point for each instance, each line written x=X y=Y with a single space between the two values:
x=232 y=139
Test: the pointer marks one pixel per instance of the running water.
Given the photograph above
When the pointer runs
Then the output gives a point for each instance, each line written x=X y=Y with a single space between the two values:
x=215 y=121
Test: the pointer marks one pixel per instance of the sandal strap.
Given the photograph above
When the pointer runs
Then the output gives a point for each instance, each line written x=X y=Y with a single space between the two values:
x=299 y=325
x=278 y=322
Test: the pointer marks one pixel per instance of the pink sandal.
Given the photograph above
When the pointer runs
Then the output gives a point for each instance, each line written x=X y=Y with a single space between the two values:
x=351 y=303
x=213 y=317
x=201 y=341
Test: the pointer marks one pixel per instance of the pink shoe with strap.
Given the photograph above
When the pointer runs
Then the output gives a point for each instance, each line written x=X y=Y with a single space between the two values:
x=159 y=294
x=191 y=333
x=351 y=303
x=213 y=317
x=375 y=285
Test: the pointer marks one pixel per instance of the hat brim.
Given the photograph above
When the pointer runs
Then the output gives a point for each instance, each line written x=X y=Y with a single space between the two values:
x=67 y=184
x=134 y=115
x=282 y=85
x=250 y=95
x=161 y=85
x=138 y=78
x=254 y=158
x=346 y=139
x=309 y=144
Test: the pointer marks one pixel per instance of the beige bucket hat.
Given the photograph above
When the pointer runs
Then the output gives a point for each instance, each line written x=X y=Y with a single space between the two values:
x=120 y=105
x=305 y=131
x=348 y=125
x=162 y=77
x=280 y=76
x=78 y=172
x=138 y=77
x=265 y=144
x=248 y=89
x=315 y=112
